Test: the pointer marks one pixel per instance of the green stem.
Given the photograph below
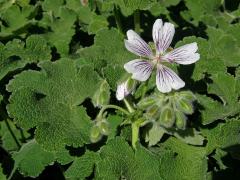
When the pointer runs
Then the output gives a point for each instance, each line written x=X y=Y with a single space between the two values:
x=118 y=19
x=129 y=107
x=110 y=106
x=135 y=131
x=12 y=133
x=136 y=17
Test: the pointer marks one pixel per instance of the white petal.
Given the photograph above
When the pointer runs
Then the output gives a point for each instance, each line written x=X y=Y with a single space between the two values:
x=162 y=35
x=140 y=69
x=183 y=55
x=137 y=45
x=166 y=79
x=156 y=29
x=122 y=91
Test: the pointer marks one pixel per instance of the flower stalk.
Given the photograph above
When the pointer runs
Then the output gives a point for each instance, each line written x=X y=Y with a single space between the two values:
x=136 y=17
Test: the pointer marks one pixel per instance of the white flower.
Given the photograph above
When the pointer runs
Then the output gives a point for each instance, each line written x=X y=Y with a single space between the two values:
x=141 y=69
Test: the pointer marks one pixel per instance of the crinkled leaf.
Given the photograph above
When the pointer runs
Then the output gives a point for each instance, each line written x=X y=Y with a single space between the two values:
x=128 y=7
x=113 y=73
x=198 y=9
x=49 y=99
x=32 y=159
x=108 y=48
x=83 y=166
x=62 y=29
x=16 y=54
x=224 y=135
x=213 y=110
x=189 y=136
x=114 y=122
x=119 y=161
x=177 y=159
x=15 y=18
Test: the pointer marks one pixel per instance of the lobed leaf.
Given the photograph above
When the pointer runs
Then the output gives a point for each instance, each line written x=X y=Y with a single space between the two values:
x=49 y=100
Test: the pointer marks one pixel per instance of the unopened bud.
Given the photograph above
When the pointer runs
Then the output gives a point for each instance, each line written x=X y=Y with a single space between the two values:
x=153 y=112
x=125 y=88
x=104 y=128
x=95 y=134
x=102 y=95
x=188 y=95
x=167 y=117
x=180 y=120
x=185 y=106
x=146 y=102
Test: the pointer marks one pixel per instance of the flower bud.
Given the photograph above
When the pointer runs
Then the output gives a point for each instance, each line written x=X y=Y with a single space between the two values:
x=153 y=112
x=184 y=106
x=146 y=102
x=167 y=117
x=95 y=134
x=102 y=95
x=104 y=128
x=180 y=120
x=188 y=95
x=125 y=88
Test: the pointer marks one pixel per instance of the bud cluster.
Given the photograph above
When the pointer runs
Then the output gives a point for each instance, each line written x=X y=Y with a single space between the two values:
x=168 y=110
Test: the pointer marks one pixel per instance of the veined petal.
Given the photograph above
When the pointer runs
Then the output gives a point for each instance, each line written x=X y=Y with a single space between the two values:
x=137 y=45
x=140 y=69
x=162 y=35
x=166 y=79
x=183 y=55
x=157 y=26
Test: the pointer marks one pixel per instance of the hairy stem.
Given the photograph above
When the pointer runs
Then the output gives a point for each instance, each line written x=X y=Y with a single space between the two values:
x=12 y=133
x=136 y=17
x=129 y=107
x=110 y=106
x=118 y=19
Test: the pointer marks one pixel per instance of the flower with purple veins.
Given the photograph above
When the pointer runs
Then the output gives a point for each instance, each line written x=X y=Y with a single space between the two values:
x=141 y=69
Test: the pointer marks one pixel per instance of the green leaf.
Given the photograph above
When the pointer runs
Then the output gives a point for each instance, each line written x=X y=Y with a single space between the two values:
x=198 y=9
x=181 y=160
x=15 y=18
x=223 y=136
x=113 y=73
x=119 y=161
x=219 y=154
x=8 y=141
x=189 y=136
x=83 y=166
x=114 y=122
x=16 y=54
x=32 y=159
x=213 y=110
x=52 y=6
x=62 y=29
x=49 y=100
x=128 y=7
x=154 y=134
x=108 y=49
x=2 y=176
x=222 y=45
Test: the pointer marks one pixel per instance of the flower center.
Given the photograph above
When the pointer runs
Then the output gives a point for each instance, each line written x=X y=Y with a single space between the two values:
x=157 y=59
